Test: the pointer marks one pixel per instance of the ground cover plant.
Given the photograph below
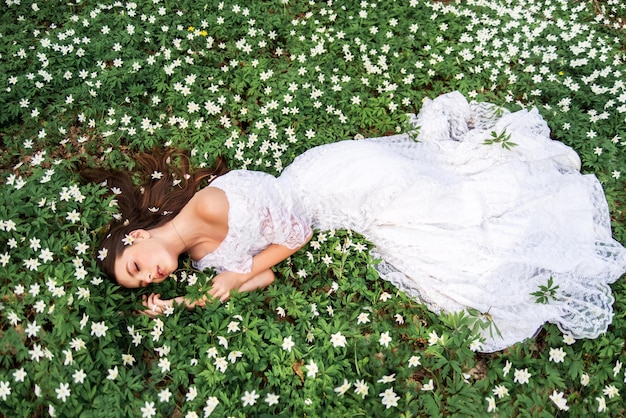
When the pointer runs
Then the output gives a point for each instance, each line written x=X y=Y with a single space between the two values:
x=92 y=82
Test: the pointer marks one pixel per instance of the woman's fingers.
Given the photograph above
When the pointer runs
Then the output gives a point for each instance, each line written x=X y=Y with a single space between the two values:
x=217 y=292
x=153 y=302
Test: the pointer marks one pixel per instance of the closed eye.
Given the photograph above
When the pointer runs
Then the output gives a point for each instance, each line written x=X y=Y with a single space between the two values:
x=137 y=270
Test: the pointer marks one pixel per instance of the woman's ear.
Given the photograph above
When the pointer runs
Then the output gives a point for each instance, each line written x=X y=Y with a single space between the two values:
x=140 y=234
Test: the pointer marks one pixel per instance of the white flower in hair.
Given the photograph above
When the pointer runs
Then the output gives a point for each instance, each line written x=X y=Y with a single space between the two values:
x=102 y=254
x=116 y=190
x=156 y=175
x=128 y=240
x=153 y=209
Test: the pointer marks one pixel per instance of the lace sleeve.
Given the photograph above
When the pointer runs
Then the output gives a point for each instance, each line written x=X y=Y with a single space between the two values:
x=285 y=228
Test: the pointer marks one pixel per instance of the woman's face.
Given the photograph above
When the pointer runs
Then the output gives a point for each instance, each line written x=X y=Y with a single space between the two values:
x=145 y=261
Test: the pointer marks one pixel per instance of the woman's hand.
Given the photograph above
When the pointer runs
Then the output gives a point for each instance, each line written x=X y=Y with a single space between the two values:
x=224 y=282
x=156 y=306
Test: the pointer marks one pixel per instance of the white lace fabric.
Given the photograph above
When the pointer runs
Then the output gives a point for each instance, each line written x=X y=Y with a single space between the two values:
x=259 y=214
x=458 y=223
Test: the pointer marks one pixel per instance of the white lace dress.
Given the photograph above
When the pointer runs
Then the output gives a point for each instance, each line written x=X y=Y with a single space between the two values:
x=458 y=223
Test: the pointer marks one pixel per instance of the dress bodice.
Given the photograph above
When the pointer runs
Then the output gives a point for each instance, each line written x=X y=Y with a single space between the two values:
x=260 y=213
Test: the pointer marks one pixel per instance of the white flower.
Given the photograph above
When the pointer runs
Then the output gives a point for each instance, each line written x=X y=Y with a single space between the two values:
x=211 y=404
x=165 y=395
x=234 y=355
x=568 y=339
x=19 y=375
x=233 y=326
x=221 y=364
x=363 y=318
x=414 y=361
x=601 y=404
x=584 y=379
x=4 y=259
x=361 y=388
x=191 y=394
x=32 y=329
x=384 y=296
x=249 y=398
x=73 y=216
x=557 y=355
x=164 y=364
x=99 y=329
x=617 y=368
x=429 y=386
x=475 y=345
x=79 y=376
x=506 y=368
x=63 y=391
x=491 y=404
x=148 y=410
x=500 y=391
x=610 y=391
x=384 y=339
x=69 y=359
x=222 y=341
x=128 y=240
x=338 y=340
x=341 y=390
x=212 y=352
x=521 y=376
x=288 y=344
x=5 y=390
x=77 y=344
x=433 y=338
x=112 y=373
x=32 y=264
x=387 y=379
x=271 y=399
x=312 y=369
x=559 y=400
x=389 y=398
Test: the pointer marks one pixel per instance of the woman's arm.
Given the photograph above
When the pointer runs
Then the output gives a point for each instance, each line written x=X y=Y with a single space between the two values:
x=260 y=276
x=226 y=281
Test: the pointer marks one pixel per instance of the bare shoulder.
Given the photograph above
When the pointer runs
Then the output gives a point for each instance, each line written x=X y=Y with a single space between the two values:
x=211 y=204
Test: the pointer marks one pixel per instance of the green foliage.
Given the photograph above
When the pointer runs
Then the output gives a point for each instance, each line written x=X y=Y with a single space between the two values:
x=259 y=83
x=502 y=138
x=546 y=293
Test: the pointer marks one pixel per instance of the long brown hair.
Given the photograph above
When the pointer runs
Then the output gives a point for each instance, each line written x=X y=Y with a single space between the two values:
x=152 y=194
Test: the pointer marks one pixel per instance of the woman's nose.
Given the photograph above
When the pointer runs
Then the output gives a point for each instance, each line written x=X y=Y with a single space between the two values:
x=149 y=278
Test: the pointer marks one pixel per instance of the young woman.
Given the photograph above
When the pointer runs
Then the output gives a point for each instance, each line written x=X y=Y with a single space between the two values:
x=478 y=213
